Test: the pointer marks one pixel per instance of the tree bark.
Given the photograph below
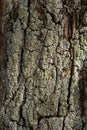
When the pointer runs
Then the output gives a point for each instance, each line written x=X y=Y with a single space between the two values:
x=43 y=65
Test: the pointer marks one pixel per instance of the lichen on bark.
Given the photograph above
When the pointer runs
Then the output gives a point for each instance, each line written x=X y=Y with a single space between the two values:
x=44 y=70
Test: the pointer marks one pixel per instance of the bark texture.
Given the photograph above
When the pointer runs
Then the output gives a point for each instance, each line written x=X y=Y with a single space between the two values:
x=43 y=65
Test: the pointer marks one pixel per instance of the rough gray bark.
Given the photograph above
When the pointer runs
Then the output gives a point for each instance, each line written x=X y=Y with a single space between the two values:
x=43 y=65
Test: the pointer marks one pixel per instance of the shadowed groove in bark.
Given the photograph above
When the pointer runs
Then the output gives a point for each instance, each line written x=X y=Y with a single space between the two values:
x=83 y=92
x=56 y=81
x=63 y=125
x=22 y=119
x=28 y=21
x=3 y=47
x=58 y=108
x=30 y=91
x=21 y=62
x=71 y=50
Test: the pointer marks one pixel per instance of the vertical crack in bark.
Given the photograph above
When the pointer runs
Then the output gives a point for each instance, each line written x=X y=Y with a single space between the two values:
x=22 y=119
x=3 y=47
x=69 y=35
x=63 y=126
x=71 y=50
x=2 y=34
x=82 y=92
x=58 y=108
x=22 y=48
x=31 y=128
x=56 y=80
x=83 y=125
x=21 y=62
x=71 y=20
x=28 y=21
x=2 y=13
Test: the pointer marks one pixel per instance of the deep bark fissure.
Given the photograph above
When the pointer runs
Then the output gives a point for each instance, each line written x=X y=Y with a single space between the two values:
x=28 y=20
x=71 y=50
x=83 y=125
x=22 y=119
x=43 y=94
x=56 y=80
x=63 y=125
x=31 y=128
x=58 y=108
x=22 y=54
x=21 y=63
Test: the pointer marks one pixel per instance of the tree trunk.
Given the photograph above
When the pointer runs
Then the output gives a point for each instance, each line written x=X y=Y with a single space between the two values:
x=43 y=65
